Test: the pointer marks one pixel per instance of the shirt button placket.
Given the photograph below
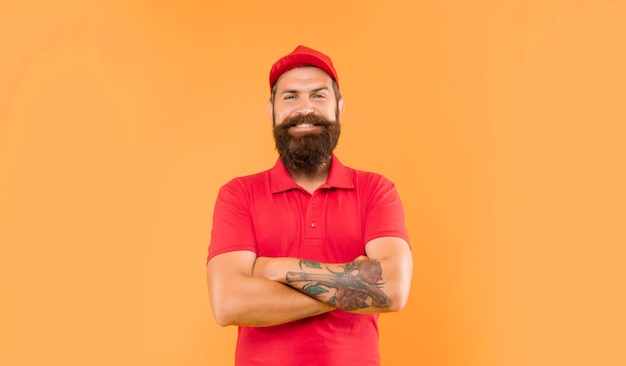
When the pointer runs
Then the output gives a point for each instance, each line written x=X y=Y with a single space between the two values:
x=313 y=219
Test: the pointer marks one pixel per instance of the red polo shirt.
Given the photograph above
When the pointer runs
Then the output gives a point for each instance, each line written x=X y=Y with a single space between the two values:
x=269 y=214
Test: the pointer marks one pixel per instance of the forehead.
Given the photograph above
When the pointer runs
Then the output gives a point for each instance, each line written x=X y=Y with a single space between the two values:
x=303 y=78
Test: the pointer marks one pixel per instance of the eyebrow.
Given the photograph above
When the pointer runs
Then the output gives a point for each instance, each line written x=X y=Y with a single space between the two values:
x=294 y=91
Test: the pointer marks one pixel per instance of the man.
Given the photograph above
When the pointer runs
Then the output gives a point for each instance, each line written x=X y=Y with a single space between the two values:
x=304 y=256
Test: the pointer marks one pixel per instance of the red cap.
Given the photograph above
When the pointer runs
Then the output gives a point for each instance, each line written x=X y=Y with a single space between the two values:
x=302 y=56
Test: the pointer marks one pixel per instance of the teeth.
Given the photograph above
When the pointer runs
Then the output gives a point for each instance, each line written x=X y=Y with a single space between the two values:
x=305 y=125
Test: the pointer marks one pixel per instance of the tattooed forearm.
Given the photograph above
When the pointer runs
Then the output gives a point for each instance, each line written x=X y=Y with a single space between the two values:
x=357 y=287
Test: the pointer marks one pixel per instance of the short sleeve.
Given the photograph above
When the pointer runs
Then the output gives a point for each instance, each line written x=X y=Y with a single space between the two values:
x=232 y=228
x=384 y=212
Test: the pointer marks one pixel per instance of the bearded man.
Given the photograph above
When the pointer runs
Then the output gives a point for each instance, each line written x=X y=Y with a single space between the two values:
x=305 y=256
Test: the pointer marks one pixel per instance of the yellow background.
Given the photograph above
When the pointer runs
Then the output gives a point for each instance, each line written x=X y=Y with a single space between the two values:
x=501 y=122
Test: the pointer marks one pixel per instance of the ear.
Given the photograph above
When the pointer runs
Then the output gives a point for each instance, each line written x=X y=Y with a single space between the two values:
x=270 y=111
x=340 y=107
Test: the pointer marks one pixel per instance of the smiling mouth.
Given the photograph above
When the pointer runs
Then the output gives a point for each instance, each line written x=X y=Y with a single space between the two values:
x=304 y=128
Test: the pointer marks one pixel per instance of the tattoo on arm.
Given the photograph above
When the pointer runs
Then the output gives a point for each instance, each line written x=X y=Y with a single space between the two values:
x=310 y=264
x=357 y=287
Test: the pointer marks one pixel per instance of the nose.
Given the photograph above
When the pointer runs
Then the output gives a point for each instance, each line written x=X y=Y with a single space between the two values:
x=305 y=107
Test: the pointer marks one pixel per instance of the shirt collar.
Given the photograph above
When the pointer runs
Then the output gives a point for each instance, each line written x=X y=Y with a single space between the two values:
x=338 y=177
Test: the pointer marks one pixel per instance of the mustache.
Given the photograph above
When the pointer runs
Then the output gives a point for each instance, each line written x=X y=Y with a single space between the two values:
x=305 y=119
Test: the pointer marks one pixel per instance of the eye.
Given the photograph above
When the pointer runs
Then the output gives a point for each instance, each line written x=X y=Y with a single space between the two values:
x=289 y=96
x=319 y=96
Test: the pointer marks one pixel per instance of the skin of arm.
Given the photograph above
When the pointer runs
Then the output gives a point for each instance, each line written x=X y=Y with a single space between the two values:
x=377 y=283
x=238 y=298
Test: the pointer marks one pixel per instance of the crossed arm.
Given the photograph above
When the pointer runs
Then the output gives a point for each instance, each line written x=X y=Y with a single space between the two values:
x=259 y=291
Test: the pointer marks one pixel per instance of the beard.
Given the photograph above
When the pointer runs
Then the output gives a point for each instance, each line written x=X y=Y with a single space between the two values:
x=307 y=152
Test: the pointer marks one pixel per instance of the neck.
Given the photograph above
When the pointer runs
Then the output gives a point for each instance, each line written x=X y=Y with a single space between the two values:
x=311 y=180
